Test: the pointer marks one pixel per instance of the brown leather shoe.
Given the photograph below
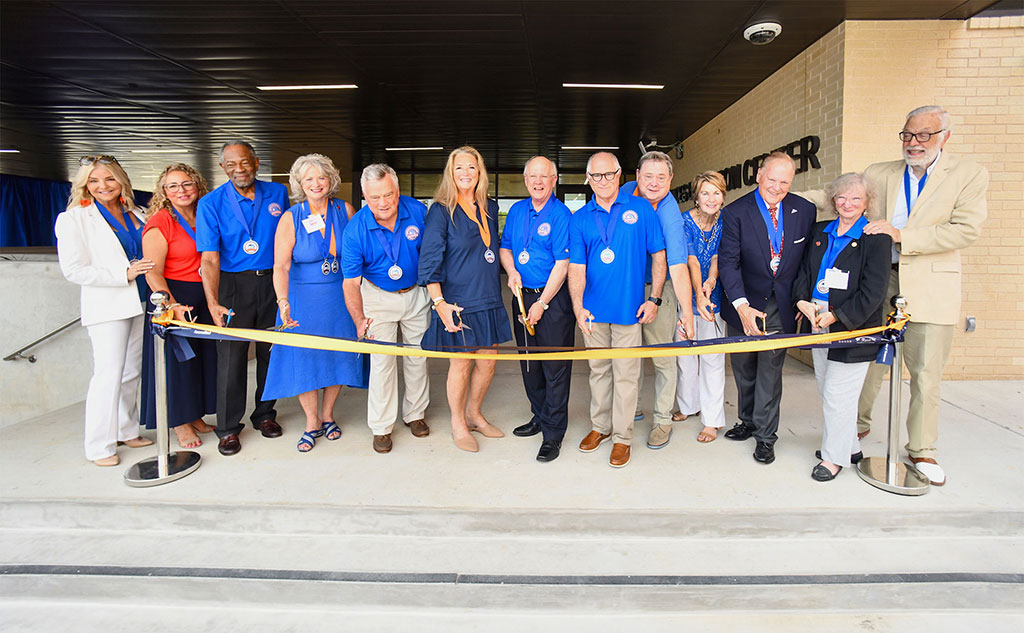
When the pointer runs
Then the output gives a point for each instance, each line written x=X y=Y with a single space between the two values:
x=419 y=428
x=382 y=443
x=862 y=434
x=620 y=455
x=592 y=441
x=269 y=428
x=229 y=445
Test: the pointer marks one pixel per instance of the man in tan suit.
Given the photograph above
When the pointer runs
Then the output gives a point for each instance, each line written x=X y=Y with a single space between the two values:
x=934 y=205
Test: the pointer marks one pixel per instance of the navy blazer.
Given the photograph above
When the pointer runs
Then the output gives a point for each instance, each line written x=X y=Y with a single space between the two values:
x=862 y=304
x=744 y=256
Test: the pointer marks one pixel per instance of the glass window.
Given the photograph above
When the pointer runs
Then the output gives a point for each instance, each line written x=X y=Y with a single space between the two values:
x=571 y=179
x=426 y=185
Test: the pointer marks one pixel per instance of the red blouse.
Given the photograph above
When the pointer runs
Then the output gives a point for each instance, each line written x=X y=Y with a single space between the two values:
x=182 y=263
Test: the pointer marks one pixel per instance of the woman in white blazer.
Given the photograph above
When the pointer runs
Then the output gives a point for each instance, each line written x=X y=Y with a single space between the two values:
x=99 y=245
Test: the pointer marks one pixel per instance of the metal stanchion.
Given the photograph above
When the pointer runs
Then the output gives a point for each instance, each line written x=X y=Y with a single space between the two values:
x=166 y=466
x=889 y=473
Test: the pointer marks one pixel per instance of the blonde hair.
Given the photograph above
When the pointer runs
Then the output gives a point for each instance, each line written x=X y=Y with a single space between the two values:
x=713 y=178
x=447 y=193
x=80 y=190
x=159 y=200
x=321 y=162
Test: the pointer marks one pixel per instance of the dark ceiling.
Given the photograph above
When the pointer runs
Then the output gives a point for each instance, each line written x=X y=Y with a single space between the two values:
x=129 y=77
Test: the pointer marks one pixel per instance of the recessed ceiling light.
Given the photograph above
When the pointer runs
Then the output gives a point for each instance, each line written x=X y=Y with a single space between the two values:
x=10 y=151
x=411 y=149
x=310 y=87
x=590 y=147
x=617 y=86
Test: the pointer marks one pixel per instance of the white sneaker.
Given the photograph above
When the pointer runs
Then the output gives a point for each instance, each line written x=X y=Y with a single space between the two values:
x=930 y=469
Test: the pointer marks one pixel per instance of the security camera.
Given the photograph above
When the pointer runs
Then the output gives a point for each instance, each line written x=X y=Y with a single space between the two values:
x=762 y=33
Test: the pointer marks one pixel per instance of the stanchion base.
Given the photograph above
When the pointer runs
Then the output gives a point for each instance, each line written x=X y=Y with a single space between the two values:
x=147 y=472
x=909 y=481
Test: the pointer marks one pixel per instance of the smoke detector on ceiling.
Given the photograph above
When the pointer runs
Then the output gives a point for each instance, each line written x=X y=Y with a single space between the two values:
x=762 y=32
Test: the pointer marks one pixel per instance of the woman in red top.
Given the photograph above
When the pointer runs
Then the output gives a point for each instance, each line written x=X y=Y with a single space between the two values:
x=169 y=241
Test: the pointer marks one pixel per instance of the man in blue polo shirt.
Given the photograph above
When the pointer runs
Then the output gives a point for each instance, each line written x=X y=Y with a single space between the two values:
x=535 y=255
x=380 y=258
x=609 y=240
x=235 y=227
x=653 y=181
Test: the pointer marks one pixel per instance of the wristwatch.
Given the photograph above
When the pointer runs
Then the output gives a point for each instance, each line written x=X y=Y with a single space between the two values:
x=655 y=300
x=543 y=306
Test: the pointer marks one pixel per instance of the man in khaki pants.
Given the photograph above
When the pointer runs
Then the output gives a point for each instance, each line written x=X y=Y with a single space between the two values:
x=380 y=259
x=609 y=240
x=933 y=205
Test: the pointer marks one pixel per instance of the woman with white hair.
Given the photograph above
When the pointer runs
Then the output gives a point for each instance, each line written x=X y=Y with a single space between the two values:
x=841 y=286
x=311 y=299
x=99 y=245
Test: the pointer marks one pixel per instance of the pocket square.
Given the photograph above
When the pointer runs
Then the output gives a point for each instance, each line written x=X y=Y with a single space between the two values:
x=799 y=240
x=792 y=210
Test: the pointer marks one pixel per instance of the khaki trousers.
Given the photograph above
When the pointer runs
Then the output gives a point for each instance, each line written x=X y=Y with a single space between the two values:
x=662 y=330
x=926 y=349
x=390 y=311
x=613 y=383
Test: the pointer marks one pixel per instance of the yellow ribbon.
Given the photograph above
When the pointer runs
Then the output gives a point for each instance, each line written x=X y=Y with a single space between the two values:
x=367 y=347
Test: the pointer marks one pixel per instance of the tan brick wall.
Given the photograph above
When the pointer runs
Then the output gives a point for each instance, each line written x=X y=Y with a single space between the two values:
x=857 y=83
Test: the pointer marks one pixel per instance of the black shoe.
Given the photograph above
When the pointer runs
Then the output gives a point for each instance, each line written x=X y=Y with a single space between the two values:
x=269 y=428
x=821 y=473
x=739 y=432
x=548 y=451
x=764 y=453
x=229 y=445
x=526 y=430
x=854 y=459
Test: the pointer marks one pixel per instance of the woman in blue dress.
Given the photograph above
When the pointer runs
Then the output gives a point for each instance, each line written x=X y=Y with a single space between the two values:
x=310 y=299
x=701 y=379
x=459 y=266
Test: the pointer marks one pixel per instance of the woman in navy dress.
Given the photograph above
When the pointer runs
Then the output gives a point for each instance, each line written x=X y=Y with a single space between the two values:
x=310 y=299
x=169 y=241
x=459 y=266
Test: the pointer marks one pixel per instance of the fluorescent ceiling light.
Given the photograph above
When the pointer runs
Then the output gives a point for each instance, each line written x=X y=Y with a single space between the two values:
x=617 y=86
x=161 y=151
x=10 y=151
x=310 y=87
x=411 y=149
x=590 y=147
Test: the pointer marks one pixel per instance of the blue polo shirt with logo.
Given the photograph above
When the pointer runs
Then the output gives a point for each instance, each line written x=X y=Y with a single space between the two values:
x=548 y=232
x=676 y=250
x=363 y=254
x=225 y=220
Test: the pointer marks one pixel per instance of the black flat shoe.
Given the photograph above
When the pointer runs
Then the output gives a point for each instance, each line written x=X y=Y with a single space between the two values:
x=764 y=453
x=821 y=473
x=739 y=432
x=526 y=430
x=548 y=451
x=854 y=459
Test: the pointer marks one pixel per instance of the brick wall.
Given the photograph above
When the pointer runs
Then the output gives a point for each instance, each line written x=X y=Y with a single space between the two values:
x=858 y=82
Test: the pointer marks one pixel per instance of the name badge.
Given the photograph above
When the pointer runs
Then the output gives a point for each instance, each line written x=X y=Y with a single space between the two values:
x=837 y=279
x=314 y=223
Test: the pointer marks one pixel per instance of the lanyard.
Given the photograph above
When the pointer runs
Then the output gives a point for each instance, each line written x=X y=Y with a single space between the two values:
x=836 y=244
x=181 y=221
x=325 y=244
x=130 y=237
x=605 y=231
x=775 y=233
x=481 y=224
x=906 y=186
x=530 y=226
x=394 y=248
x=237 y=208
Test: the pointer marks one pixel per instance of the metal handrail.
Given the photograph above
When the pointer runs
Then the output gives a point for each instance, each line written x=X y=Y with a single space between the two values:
x=18 y=354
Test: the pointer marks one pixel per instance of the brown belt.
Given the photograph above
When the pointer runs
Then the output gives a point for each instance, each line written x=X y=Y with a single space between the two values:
x=398 y=292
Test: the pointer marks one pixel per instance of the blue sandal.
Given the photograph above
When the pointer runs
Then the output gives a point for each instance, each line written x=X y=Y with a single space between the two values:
x=330 y=430
x=308 y=439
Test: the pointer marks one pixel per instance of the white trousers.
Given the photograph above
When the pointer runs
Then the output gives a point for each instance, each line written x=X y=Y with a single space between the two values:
x=700 y=384
x=390 y=311
x=112 y=404
x=839 y=386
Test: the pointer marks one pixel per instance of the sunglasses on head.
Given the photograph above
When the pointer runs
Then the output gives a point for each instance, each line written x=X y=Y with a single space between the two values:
x=85 y=161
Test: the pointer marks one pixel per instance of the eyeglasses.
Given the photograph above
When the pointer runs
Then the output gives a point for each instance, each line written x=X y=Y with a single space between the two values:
x=841 y=200
x=85 y=161
x=922 y=137
x=174 y=187
x=608 y=175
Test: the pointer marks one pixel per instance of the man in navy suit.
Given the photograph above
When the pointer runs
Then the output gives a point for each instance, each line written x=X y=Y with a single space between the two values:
x=764 y=234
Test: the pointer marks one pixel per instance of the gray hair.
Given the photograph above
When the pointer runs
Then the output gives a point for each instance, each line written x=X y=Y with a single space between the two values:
x=777 y=155
x=658 y=157
x=246 y=144
x=593 y=156
x=944 y=121
x=377 y=171
x=321 y=162
x=554 y=167
x=844 y=183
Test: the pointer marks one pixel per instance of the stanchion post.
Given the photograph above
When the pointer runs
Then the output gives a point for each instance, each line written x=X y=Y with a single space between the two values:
x=890 y=474
x=165 y=466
